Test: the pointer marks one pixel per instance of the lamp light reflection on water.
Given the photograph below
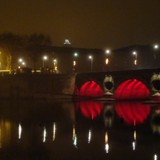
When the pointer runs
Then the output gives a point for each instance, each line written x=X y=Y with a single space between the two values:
x=19 y=131
x=44 y=134
x=155 y=157
x=74 y=137
x=54 y=131
x=134 y=142
x=106 y=143
x=89 y=136
x=134 y=145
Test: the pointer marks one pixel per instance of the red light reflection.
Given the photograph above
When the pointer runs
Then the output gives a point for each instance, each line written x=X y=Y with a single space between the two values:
x=91 y=109
x=132 y=89
x=132 y=112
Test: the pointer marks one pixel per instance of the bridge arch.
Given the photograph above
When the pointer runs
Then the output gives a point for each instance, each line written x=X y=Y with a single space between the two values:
x=132 y=89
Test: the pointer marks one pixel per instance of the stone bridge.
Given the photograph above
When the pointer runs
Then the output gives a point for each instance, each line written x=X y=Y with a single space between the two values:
x=122 y=84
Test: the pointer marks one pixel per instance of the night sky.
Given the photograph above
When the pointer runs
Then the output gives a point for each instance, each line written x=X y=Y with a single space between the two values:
x=86 y=23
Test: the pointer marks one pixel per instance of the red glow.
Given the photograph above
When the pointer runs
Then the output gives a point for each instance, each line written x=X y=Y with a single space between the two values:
x=91 y=109
x=91 y=89
x=132 y=113
x=132 y=89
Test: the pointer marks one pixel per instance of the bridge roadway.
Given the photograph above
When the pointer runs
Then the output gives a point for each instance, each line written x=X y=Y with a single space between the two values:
x=143 y=76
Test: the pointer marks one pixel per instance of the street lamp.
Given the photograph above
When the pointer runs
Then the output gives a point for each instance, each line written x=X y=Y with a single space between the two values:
x=156 y=46
x=22 y=62
x=107 y=52
x=91 y=59
x=75 y=55
x=55 y=62
x=45 y=58
x=134 y=53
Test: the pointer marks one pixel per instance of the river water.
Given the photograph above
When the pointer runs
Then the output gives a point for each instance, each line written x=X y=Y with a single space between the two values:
x=39 y=130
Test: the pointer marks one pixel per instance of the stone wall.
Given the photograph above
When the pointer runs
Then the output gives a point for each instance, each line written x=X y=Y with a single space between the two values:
x=36 y=85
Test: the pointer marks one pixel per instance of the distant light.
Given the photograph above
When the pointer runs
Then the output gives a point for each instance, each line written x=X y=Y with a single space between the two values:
x=55 y=60
x=90 y=57
x=45 y=57
x=76 y=54
x=67 y=42
x=20 y=60
x=107 y=61
x=108 y=51
x=134 y=53
x=135 y=135
x=156 y=46
x=23 y=63
x=135 y=62
x=74 y=63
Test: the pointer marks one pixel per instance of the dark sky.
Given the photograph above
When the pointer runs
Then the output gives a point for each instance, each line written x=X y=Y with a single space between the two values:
x=87 y=23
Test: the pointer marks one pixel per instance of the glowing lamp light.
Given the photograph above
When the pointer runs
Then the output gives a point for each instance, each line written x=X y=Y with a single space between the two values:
x=54 y=131
x=45 y=57
x=76 y=54
x=89 y=136
x=107 y=61
x=74 y=63
x=20 y=60
x=156 y=46
x=155 y=157
x=44 y=135
x=90 y=57
x=134 y=53
x=107 y=51
x=19 y=131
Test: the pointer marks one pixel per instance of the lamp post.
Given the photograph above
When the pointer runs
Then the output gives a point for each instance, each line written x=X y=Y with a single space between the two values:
x=55 y=62
x=91 y=59
x=75 y=55
x=107 y=53
x=134 y=53
x=45 y=58
x=22 y=62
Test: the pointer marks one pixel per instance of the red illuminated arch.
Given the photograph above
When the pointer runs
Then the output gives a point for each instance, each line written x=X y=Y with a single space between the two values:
x=132 y=89
x=91 y=109
x=132 y=113
x=91 y=89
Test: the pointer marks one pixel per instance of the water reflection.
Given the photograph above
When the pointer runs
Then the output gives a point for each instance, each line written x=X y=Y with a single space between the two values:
x=85 y=130
x=106 y=143
x=90 y=109
x=19 y=131
x=132 y=112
